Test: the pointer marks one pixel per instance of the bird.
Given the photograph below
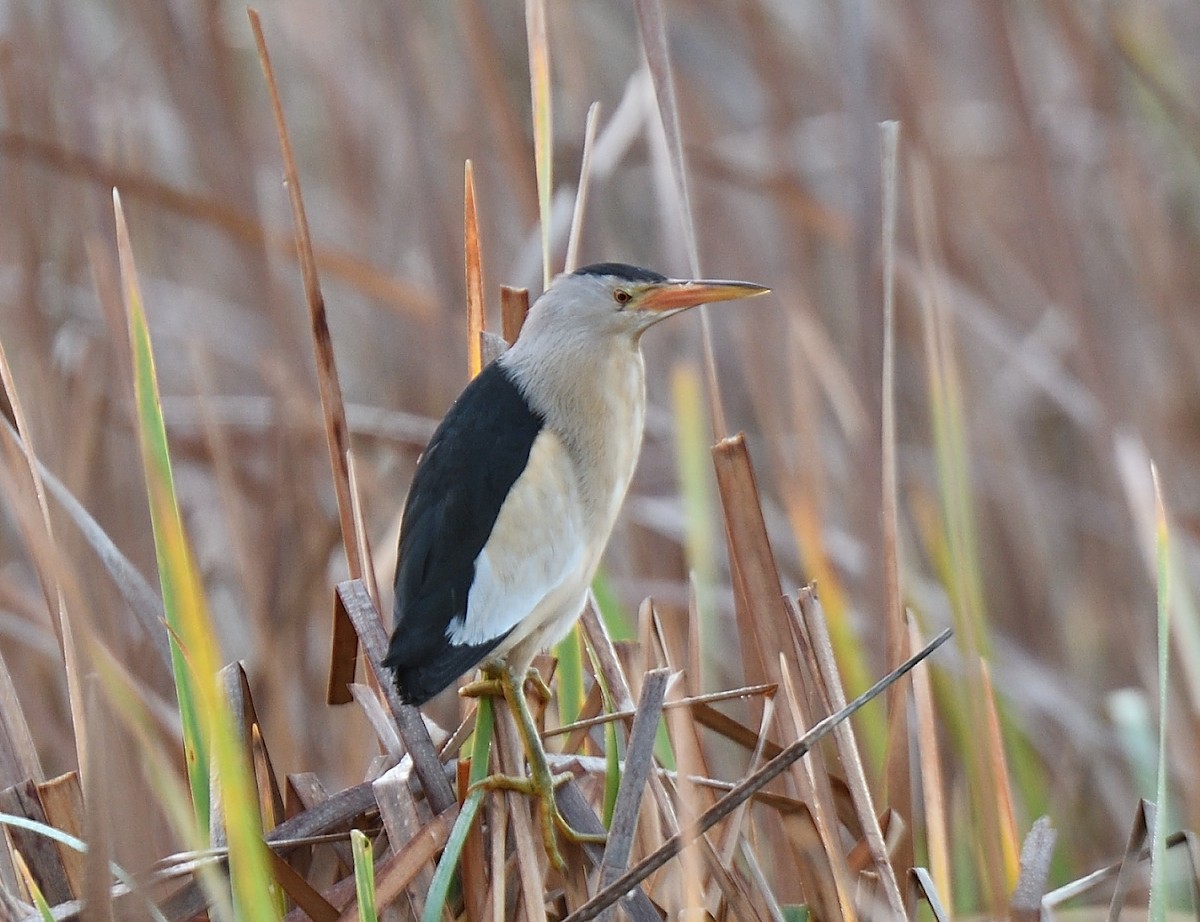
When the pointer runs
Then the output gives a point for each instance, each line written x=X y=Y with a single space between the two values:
x=515 y=496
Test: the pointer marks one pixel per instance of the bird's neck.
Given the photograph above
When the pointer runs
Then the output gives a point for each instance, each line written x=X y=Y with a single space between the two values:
x=595 y=401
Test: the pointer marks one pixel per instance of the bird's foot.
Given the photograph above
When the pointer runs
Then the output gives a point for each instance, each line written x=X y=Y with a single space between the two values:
x=491 y=686
x=541 y=781
x=542 y=786
x=482 y=688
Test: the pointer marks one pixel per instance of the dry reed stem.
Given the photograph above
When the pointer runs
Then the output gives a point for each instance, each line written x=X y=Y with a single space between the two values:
x=1005 y=813
x=530 y=851
x=825 y=877
x=929 y=755
x=843 y=734
x=474 y=273
x=49 y=563
x=639 y=756
x=355 y=602
x=748 y=787
x=898 y=786
x=344 y=645
x=653 y=28
x=571 y=262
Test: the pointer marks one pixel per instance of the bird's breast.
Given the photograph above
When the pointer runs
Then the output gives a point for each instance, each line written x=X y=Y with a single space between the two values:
x=604 y=450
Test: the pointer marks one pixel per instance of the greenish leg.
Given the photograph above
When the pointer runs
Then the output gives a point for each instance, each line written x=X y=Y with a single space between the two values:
x=541 y=781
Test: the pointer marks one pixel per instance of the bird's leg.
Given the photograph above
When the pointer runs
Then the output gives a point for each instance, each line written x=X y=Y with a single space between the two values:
x=541 y=781
x=487 y=687
x=492 y=686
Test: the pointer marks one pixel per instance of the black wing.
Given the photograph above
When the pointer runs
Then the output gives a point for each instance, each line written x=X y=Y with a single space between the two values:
x=476 y=455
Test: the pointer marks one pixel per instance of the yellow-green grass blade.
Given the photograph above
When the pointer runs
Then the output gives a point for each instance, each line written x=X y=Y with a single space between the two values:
x=612 y=769
x=130 y=708
x=693 y=467
x=481 y=739
x=439 y=889
x=208 y=724
x=164 y=518
x=954 y=546
x=619 y=625
x=570 y=676
x=1158 y=843
x=76 y=844
x=364 y=876
x=35 y=892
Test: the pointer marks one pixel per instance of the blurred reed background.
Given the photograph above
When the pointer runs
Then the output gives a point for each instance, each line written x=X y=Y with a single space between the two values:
x=1047 y=341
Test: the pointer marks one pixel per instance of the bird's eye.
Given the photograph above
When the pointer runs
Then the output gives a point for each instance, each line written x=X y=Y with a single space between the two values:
x=621 y=296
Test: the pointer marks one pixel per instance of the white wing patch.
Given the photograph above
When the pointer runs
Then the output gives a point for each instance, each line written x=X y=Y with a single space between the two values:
x=535 y=555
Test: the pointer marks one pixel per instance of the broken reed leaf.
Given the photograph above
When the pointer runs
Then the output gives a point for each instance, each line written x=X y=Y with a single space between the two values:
x=300 y=892
x=761 y=621
x=62 y=803
x=747 y=788
x=43 y=860
x=396 y=873
x=824 y=874
x=514 y=306
x=72 y=842
x=734 y=832
x=530 y=852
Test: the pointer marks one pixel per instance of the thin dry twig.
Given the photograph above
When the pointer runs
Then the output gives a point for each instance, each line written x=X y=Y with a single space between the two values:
x=746 y=789
x=694 y=702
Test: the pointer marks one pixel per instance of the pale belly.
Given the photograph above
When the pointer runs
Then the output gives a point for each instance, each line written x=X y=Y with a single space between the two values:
x=591 y=478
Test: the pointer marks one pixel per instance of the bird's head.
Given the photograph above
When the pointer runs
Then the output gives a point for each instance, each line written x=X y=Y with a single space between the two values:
x=617 y=300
